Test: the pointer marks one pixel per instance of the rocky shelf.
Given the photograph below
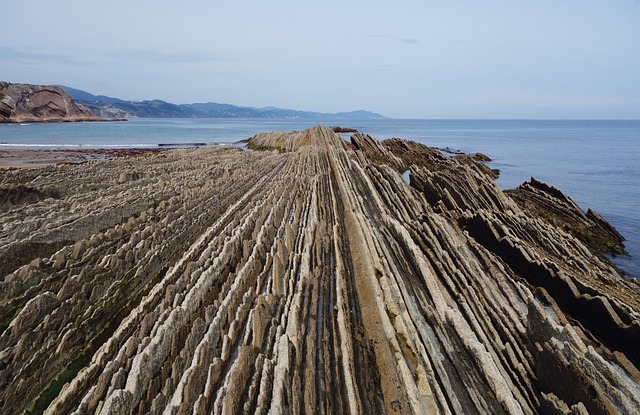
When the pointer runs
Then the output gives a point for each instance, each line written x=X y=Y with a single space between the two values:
x=307 y=278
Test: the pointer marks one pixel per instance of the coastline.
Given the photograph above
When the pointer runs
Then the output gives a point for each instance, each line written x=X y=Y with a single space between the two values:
x=316 y=261
x=58 y=120
x=20 y=158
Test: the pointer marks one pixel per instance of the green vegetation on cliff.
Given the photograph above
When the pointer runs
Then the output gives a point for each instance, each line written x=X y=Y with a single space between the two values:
x=161 y=109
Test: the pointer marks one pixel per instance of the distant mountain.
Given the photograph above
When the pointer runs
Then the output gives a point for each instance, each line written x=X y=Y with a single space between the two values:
x=108 y=107
x=80 y=95
x=214 y=110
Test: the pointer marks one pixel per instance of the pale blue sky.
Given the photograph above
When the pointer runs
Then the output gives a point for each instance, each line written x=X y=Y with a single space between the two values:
x=403 y=59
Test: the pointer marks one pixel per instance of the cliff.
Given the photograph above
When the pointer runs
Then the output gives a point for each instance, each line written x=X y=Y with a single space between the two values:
x=37 y=103
x=310 y=278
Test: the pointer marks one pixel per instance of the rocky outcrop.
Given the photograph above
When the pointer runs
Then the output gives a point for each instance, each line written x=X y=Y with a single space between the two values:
x=540 y=199
x=35 y=103
x=108 y=111
x=338 y=129
x=309 y=278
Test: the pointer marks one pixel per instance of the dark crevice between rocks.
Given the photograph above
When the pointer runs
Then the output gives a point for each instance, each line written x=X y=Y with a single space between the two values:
x=556 y=375
x=364 y=356
x=121 y=308
x=368 y=381
x=13 y=258
x=21 y=254
x=593 y=312
x=11 y=196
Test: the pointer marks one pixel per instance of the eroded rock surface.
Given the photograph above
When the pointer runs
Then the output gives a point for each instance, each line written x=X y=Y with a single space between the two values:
x=310 y=278
x=34 y=103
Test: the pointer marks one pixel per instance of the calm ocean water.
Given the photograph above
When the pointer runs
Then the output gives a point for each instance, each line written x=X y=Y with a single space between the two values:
x=597 y=163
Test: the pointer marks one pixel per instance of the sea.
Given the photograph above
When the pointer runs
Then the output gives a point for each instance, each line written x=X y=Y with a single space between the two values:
x=595 y=162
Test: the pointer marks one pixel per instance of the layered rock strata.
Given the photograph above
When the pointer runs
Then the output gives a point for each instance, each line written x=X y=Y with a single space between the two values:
x=312 y=278
x=40 y=103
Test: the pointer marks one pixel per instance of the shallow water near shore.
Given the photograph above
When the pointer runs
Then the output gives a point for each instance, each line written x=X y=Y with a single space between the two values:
x=595 y=162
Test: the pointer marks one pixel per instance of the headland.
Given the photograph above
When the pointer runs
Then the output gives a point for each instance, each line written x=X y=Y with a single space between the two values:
x=22 y=103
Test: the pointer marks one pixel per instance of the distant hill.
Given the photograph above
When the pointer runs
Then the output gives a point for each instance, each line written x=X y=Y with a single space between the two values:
x=109 y=107
x=80 y=95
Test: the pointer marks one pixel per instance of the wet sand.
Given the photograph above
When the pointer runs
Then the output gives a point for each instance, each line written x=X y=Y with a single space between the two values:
x=29 y=158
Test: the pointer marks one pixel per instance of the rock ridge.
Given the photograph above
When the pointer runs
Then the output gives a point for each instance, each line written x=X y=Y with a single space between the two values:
x=309 y=277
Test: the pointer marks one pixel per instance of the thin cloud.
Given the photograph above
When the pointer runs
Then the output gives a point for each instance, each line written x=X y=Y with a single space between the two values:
x=405 y=40
x=16 y=55
x=154 y=56
x=408 y=41
x=374 y=70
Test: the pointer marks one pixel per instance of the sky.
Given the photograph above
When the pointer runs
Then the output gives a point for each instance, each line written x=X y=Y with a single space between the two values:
x=546 y=59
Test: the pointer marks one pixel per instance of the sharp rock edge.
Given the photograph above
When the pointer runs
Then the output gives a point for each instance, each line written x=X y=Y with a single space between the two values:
x=311 y=278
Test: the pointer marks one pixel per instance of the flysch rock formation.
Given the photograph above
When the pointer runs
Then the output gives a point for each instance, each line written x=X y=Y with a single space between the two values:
x=311 y=278
x=39 y=103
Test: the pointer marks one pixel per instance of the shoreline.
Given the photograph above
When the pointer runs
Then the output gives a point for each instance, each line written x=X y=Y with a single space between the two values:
x=57 y=120
x=247 y=273
x=18 y=158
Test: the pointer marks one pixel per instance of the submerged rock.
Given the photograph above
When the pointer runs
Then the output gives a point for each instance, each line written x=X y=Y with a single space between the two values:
x=309 y=279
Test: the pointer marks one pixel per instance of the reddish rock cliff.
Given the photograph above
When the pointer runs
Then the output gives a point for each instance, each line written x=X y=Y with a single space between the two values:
x=34 y=103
